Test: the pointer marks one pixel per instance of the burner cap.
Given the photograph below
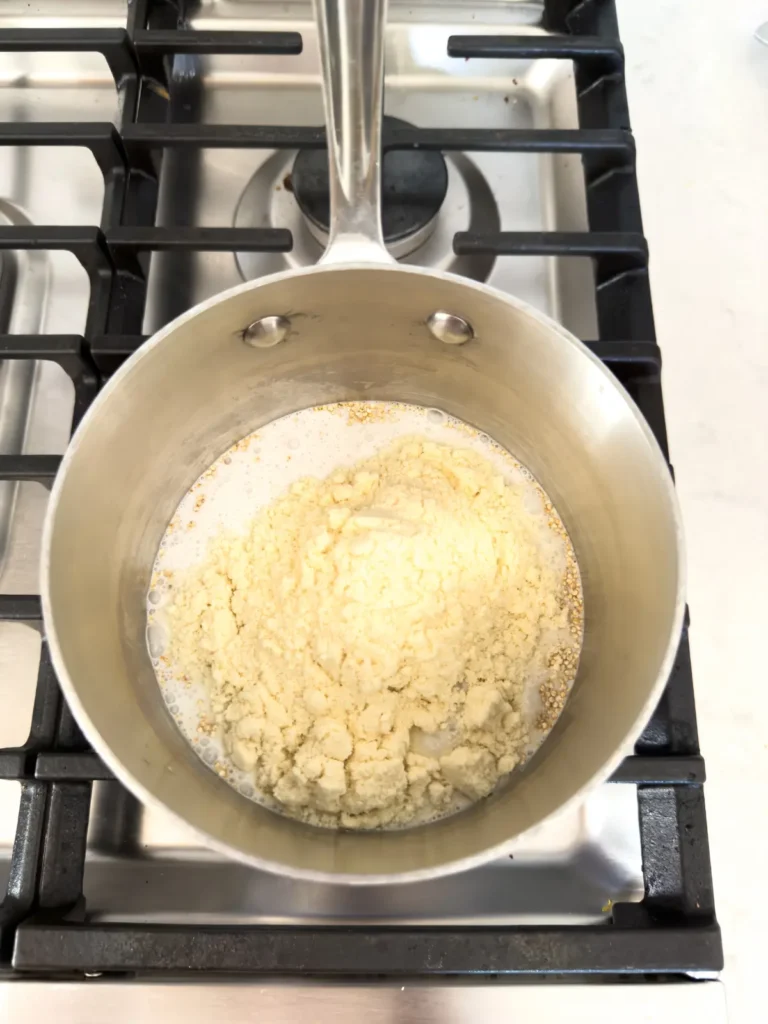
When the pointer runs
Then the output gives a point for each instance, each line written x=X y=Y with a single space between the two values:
x=414 y=183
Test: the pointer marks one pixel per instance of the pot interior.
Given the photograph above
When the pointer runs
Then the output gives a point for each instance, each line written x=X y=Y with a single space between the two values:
x=359 y=333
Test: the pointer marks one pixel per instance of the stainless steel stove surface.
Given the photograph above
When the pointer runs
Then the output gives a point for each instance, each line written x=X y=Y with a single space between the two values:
x=140 y=866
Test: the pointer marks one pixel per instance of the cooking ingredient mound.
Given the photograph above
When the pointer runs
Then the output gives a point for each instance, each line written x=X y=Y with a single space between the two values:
x=366 y=644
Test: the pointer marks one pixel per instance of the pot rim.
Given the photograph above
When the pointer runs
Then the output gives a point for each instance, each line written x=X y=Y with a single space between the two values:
x=275 y=867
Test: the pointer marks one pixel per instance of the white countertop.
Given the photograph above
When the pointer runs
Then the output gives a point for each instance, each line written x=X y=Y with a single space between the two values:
x=698 y=99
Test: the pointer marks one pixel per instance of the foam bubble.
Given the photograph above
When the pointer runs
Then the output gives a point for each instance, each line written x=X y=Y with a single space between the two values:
x=157 y=640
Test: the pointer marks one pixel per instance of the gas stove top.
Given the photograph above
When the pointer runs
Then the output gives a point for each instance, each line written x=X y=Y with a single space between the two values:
x=153 y=154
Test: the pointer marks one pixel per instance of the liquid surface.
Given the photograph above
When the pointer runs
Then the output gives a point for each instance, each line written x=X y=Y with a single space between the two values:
x=254 y=473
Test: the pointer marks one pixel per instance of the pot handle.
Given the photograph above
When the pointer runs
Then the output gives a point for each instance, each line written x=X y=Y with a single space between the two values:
x=351 y=37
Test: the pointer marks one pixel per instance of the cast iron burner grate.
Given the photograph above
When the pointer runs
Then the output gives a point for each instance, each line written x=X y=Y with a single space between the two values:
x=44 y=924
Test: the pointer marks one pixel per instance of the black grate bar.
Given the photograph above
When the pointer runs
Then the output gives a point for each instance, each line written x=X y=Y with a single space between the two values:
x=62 y=863
x=661 y=771
x=615 y=253
x=112 y=43
x=102 y=139
x=224 y=136
x=645 y=355
x=675 y=849
x=637 y=770
x=63 y=859
x=110 y=351
x=118 y=344
x=230 y=136
x=627 y=245
x=75 y=767
x=22 y=880
x=260 y=950
x=15 y=763
x=605 y=56
x=172 y=239
x=85 y=243
x=162 y=42
x=47 y=706
x=586 y=17
x=66 y=350
x=40 y=469
x=512 y=140
x=20 y=608
x=624 y=250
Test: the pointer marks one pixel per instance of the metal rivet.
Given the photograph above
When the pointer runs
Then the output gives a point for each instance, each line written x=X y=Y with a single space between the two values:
x=266 y=332
x=450 y=329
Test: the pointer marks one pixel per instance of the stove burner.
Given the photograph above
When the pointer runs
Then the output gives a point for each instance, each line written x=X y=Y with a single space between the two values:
x=414 y=185
x=268 y=201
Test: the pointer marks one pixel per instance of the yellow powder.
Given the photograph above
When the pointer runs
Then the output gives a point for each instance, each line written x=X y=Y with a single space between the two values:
x=367 y=642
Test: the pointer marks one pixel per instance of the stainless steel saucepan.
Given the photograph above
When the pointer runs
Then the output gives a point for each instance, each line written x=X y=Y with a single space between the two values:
x=358 y=326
